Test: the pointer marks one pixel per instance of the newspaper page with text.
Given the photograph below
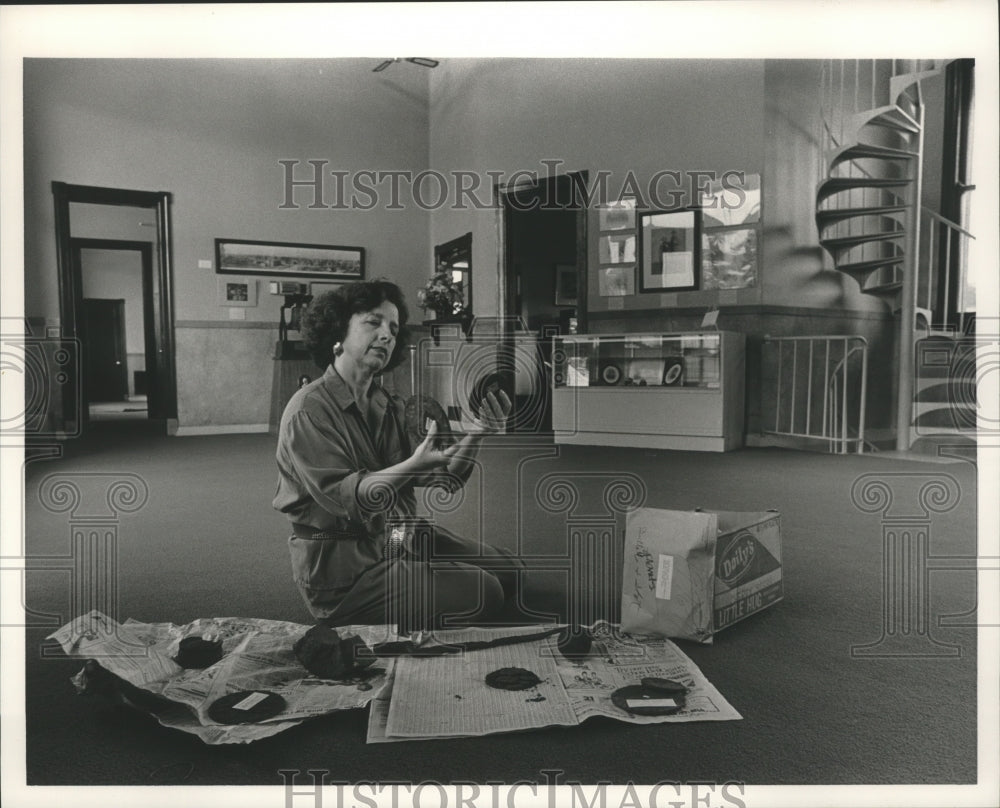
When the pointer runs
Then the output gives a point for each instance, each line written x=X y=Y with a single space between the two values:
x=447 y=697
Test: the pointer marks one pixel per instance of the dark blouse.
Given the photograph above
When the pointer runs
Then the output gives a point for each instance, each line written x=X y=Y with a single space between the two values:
x=325 y=447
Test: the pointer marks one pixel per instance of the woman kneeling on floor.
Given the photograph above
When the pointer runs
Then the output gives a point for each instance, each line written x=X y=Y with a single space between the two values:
x=346 y=473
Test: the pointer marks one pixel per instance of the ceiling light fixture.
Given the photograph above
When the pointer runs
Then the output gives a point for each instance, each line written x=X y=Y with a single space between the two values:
x=417 y=60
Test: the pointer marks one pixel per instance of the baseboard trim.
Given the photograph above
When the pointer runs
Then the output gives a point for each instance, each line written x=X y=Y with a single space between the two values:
x=875 y=441
x=244 y=324
x=221 y=429
x=746 y=310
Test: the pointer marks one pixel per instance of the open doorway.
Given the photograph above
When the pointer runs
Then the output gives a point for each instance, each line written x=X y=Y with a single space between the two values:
x=117 y=336
x=543 y=288
x=144 y=287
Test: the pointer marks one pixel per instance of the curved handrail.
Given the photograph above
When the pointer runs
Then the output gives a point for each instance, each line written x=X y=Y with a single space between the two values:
x=841 y=367
x=836 y=432
x=804 y=337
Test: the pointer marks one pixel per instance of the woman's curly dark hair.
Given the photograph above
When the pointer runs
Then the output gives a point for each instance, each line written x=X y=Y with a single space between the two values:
x=325 y=321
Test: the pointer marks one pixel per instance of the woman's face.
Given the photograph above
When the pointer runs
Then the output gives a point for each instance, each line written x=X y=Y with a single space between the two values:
x=371 y=337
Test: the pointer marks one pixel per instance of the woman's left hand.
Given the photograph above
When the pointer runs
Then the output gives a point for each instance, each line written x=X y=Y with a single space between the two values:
x=493 y=412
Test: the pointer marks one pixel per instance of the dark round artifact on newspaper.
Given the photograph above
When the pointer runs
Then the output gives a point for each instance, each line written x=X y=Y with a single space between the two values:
x=639 y=700
x=246 y=707
x=197 y=652
x=574 y=642
x=416 y=412
x=512 y=679
x=324 y=653
x=666 y=685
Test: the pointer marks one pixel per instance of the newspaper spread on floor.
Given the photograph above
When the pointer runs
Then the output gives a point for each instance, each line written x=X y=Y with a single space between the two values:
x=257 y=655
x=446 y=697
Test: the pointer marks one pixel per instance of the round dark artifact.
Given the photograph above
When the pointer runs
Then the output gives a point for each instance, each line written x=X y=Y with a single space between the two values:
x=512 y=679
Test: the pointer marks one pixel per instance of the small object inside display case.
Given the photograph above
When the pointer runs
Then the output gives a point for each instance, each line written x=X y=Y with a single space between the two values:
x=574 y=364
x=673 y=371
x=643 y=372
x=610 y=373
x=577 y=372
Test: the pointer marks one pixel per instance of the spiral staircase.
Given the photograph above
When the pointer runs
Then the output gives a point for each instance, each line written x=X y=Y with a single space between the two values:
x=871 y=222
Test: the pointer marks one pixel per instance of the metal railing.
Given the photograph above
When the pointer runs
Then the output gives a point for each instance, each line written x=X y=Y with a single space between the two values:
x=935 y=278
x=850 y=86
x=820 y=393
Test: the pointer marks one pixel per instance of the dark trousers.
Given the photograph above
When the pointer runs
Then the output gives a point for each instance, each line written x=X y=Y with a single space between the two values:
x=443 y=581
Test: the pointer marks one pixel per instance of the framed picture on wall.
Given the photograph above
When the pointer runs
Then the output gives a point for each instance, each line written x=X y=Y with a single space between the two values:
x=669 y=250
x=729 y=258
x=616 y=249
x=732 y=200
x=618 y=215
x=565 y=285
x=240 y=292
x=285 y=259
x=616 y=281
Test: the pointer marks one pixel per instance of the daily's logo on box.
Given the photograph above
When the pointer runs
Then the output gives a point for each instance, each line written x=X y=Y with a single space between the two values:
x=742 y=557
x=737 y=561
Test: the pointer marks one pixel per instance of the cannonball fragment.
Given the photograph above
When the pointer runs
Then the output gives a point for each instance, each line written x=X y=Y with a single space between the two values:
x=664 y=685
x=197 y=652
x=512 y=679
x=416 y=411
x=640 y=700
x=574 y=642
x=324 y=653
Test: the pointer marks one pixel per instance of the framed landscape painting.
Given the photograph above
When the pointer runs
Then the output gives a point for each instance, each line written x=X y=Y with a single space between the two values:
x=284 y=259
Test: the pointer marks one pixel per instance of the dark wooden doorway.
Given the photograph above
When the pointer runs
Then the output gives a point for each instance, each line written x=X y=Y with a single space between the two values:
x=544 y=228
x=161 y=376
x=105 y=358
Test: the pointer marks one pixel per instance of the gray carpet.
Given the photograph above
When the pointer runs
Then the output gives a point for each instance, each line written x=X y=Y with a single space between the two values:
x=208 y=544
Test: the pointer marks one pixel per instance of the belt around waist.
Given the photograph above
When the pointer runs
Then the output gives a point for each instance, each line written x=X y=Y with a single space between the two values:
x=327 y=534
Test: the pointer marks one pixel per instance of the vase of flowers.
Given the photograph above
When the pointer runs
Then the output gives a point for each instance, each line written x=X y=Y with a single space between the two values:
x=442 y=296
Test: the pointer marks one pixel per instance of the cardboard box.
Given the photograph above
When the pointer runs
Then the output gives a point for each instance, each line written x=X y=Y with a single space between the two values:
x=747 y=565
x=688 y=574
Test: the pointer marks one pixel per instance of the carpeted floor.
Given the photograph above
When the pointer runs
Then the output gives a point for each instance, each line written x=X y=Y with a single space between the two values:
x=206 y=543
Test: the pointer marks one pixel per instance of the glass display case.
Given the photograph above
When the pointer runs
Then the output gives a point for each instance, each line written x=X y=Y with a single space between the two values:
x=670 y=391
x=639 y=360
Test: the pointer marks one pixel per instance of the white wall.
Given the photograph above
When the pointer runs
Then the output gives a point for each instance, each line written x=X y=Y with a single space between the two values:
x=618 y=115
x=211 y=132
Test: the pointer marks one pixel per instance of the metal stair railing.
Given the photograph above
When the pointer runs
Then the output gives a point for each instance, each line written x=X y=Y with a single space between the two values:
x=841 y=421
x=844 y=111
x=934 y=273
x=932 y=261
x=873 y=86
